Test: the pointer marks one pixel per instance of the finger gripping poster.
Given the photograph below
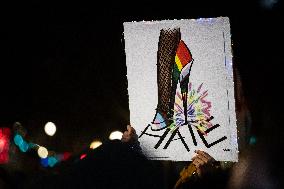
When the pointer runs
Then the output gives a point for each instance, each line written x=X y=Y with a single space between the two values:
x=181 y=89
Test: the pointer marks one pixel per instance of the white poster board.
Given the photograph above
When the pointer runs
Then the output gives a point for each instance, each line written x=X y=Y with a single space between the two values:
x=181 y=89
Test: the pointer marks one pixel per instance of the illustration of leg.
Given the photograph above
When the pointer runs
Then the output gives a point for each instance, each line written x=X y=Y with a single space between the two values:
x=181 y=72
x=168 y=43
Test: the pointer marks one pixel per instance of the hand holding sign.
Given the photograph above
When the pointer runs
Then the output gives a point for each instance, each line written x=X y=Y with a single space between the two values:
x=129 y=135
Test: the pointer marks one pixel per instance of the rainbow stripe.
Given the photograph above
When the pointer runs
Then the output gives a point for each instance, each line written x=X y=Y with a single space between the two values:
x=183 y=56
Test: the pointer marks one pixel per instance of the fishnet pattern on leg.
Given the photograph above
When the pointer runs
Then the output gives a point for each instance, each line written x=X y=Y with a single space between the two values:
x=168 y=42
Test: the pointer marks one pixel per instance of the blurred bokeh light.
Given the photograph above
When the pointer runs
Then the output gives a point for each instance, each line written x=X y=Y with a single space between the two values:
x=42 y=152
x=50 y=128
x=115 y=135
x=95 y=144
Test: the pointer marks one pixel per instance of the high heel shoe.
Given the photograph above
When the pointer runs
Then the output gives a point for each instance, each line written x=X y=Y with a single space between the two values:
x=174 y=63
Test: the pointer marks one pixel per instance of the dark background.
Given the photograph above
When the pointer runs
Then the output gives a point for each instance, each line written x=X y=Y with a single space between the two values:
x=65 y=63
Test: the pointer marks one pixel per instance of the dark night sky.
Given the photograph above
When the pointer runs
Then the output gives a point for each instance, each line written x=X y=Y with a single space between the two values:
x=66 y=63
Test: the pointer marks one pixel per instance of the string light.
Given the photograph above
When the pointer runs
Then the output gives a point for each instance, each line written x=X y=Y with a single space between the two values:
x=47 y=159
x=50 y=158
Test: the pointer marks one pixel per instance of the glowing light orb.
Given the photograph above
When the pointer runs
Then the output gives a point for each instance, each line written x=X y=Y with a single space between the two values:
x=115 y=135
x=252 y=140
x=2 y=144
x=83 y=156
x=52 y=161
x=42 y=152
x=66 y=155
x=18 y=139
x=50 y=128
x=44 y=162
x=24 y=146
x=95 y=144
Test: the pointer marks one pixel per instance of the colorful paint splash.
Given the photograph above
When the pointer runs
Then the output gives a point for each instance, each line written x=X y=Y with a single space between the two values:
x=198 y=109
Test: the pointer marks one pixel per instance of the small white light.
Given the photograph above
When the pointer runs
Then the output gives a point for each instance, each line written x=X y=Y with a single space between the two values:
x=95 y=144
x=115 y=135
x=50 y=128
x=42 y=152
